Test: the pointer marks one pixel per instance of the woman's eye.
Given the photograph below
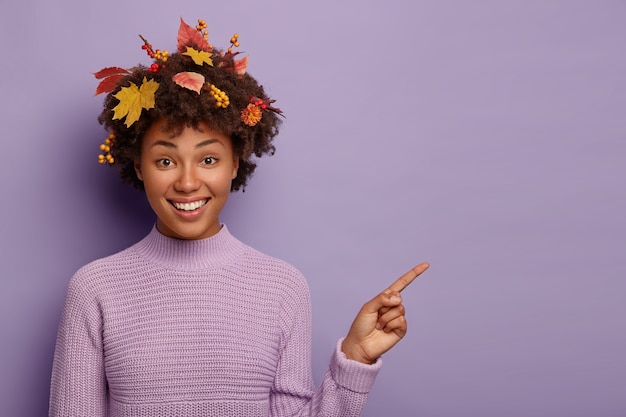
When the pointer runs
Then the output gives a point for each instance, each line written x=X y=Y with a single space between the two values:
x=209 y=160
x=164 y=162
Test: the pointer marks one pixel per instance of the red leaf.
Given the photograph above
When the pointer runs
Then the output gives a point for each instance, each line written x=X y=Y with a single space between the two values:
x=241 y=65
x=188 y=36
x=106 y=72
x=190 y=80
x=109 y=83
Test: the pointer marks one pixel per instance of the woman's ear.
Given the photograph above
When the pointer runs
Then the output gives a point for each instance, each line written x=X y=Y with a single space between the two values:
x=235 y=167
x=137 y=165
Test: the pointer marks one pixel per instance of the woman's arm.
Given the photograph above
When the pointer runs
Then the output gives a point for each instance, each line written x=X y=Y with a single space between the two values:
x=354 y=364
x=78 y=386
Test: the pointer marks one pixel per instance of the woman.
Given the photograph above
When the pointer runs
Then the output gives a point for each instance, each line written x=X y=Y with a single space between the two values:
x=190 y=321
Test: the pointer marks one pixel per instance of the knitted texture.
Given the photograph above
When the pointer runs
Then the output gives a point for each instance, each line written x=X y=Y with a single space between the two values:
x=196 y=328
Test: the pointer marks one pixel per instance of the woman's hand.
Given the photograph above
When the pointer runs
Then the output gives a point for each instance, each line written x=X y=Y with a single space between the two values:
x=381 y=323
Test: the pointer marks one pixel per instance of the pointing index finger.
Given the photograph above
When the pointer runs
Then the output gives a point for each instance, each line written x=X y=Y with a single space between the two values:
x=404 y=281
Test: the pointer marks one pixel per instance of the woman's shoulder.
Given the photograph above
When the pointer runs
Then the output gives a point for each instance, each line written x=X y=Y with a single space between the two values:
x=98 y=272
x=271 y=268
x=262 y=259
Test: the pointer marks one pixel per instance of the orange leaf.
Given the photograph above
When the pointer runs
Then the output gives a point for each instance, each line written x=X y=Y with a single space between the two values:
x=191 y=80
x=188 y=36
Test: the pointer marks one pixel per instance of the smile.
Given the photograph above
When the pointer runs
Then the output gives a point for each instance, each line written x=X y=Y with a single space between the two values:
x=194 y=205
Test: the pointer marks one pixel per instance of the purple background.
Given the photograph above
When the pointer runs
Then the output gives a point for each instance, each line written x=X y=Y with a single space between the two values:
x=487 y=137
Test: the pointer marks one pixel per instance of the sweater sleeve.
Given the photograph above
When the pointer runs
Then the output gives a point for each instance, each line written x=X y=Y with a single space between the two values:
x=346 y=383
x=78 y=386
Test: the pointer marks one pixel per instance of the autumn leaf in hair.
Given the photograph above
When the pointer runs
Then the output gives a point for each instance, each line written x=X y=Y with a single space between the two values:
x=199 y=57
x=191 y=37
x=133 y=100
x=191 y=80
x=241 y=65
x=110 y=77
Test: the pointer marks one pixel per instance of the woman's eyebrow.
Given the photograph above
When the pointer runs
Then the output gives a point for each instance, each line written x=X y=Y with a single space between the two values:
x=164 y=143
x=173 y=145
x=207 y=142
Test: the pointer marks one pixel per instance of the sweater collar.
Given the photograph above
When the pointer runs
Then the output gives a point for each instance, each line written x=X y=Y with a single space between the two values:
x=179 y=254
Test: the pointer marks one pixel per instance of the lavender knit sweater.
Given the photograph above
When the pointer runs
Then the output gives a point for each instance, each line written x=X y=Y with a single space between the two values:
x=181 y=328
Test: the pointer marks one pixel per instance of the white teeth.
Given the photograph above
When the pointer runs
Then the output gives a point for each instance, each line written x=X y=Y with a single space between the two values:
x=190 y=206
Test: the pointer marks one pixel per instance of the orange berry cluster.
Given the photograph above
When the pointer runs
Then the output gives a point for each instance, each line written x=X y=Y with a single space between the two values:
x=161 y=55
x=221 y=99
x=234 y=41
x=201 y=27
x=105 y=148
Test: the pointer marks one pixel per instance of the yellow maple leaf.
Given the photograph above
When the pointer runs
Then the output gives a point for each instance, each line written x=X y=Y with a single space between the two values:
x=199 y=57
x=133 y=100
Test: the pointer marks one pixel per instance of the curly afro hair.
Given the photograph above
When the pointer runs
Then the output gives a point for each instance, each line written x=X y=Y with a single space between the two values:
x=181 y=107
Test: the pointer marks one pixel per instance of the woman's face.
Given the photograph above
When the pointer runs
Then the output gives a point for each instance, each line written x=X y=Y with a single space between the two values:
x=187 y=178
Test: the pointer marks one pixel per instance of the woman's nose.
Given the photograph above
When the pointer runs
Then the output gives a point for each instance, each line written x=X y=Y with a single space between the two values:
x=188 y=180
